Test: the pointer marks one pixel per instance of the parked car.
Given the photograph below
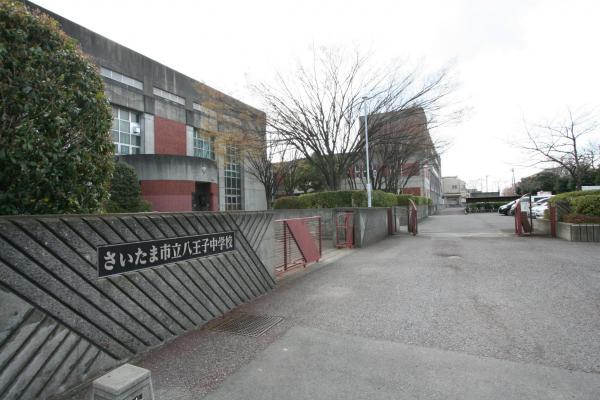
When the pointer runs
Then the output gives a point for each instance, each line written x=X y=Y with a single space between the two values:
x=506 y=208
x=524 y=201
x=538 y=208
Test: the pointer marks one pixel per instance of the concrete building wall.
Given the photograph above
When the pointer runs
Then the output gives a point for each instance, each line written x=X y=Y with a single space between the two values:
x=124 y=96
x=148 y=129
x=254 y=193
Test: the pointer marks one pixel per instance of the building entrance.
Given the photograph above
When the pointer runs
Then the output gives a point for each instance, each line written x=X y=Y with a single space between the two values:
x=202 y=197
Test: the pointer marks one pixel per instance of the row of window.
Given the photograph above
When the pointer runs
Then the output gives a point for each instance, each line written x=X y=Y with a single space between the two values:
x=121 y=78
x=127 y=138
x=228 y=122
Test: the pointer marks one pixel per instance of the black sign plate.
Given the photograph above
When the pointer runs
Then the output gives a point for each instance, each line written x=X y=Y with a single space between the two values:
x=116 y=259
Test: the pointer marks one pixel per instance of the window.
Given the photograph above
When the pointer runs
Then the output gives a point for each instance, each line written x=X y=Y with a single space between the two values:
x=204 y=110
x=233 y=178
x=168 y=95
x=454 y=187
x=204 y=146
x=358 y=172
x=125 y=131
x=115 y=76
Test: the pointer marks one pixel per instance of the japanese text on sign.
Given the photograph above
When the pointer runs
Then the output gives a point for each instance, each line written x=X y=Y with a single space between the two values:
x=126 y=257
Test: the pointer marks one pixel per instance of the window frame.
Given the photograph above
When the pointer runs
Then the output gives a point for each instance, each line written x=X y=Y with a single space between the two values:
x=117 y=123
x=232 y=172
x=206 y=149
x=119 y=77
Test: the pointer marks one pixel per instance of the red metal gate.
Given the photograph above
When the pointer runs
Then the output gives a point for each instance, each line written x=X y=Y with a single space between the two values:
x=522 y=220
x=299 y=242
x=413 y=218
x=344 y=229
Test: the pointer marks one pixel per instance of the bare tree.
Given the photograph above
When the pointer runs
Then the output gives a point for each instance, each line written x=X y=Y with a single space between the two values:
x=564 y=144
x=288 y=172
x=402 y=148
x=259 y=154
x=317 y=110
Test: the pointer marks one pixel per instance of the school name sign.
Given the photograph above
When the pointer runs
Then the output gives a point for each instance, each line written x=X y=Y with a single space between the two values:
x=121 y=258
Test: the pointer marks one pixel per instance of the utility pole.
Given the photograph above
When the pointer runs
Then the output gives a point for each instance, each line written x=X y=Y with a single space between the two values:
x=513 y=181
x=367 y=152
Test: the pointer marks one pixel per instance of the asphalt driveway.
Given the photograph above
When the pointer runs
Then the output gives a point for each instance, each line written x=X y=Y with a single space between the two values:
x=465 y=310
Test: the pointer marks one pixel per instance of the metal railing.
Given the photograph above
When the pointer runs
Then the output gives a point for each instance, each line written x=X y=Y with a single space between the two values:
x=289 y=250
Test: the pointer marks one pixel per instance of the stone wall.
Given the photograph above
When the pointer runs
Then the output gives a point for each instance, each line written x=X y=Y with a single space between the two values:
x=61 y=326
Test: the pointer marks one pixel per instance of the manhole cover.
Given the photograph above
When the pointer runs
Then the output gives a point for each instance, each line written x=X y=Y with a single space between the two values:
x=248 y=325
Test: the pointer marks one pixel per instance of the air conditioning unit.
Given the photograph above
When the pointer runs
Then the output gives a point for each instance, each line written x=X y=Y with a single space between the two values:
x=135 y=128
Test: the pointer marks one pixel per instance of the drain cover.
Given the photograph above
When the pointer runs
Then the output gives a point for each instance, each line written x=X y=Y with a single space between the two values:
x=248 y=325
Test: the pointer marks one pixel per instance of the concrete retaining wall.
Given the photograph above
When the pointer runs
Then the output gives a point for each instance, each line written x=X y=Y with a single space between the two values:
x=370 y=225
x=578 y=232
x=62 y=326
x=401 y=215
x=570 y=232
x=541 y=227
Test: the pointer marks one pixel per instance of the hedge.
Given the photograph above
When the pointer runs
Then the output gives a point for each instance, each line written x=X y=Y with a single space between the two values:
x=570 y=196
x=584 y=206
x=587 y=205
x=378 y=199
x=485 y=206
x=347 y=198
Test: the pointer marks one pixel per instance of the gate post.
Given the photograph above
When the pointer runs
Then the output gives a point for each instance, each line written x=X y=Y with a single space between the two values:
x=553 y=220
x=320 y=239
x=518 y=216
x=285 y=260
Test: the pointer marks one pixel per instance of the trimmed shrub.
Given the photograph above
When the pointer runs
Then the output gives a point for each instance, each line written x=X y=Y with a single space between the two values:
x=338 y=199
x=587 y=205
x=580 y=219
x=56 y=154
x=287 y=203
x=570 y=196
x=341 y=198
x=484 y=206
x=402 y=199
x=125 y=191
x=378 y=199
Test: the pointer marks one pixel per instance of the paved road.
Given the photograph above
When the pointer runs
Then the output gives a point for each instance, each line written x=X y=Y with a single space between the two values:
x=465 y=310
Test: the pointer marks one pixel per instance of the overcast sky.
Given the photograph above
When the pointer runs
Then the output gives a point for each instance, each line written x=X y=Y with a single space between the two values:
x=511 y=59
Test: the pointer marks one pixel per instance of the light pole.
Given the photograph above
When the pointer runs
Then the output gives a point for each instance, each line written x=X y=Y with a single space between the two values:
x=367 y=153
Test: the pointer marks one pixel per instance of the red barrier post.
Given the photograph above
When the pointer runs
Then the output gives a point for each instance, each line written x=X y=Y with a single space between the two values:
x=553 y=220
x=285 y=260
